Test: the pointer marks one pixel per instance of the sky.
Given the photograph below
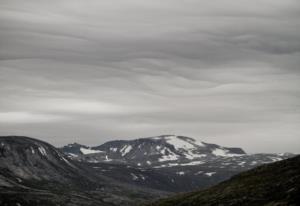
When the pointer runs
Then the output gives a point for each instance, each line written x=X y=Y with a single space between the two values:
x=220 y=71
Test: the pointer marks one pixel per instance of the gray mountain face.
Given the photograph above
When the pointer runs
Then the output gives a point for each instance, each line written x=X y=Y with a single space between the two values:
x=171 y=163
x=33 y=172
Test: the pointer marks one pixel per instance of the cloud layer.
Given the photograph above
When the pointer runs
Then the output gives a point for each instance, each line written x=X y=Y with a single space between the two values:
x=90 y=71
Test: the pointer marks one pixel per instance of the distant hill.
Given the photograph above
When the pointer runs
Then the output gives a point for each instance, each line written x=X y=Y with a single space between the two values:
x=168 y=162
x=276 y=184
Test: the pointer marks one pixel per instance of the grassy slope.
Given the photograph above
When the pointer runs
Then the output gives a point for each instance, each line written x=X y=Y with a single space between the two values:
x=268 y=185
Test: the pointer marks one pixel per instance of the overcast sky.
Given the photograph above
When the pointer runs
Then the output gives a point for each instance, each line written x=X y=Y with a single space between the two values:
x=221 y=71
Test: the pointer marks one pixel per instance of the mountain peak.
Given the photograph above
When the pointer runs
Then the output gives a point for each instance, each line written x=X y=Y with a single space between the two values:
x=155 y=150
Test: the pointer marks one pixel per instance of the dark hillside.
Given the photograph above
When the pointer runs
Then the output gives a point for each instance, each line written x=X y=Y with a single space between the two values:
x=268 y=185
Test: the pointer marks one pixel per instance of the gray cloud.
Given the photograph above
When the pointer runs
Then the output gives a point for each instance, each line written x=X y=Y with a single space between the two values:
x=221 y=71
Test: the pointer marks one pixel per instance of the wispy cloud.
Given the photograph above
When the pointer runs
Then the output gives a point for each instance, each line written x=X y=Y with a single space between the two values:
x=28 y=117
x=225 y=71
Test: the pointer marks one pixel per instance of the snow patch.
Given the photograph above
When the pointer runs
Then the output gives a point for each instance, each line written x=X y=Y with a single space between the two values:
x=193 y=163
x=134 y=177
x=186 y=144
x=126 y=149
x=42 y=150
x=64 y=159
x=190 y=155
x=275 y=159
x=143 y=178
x=89 y=151
x=173 y=164
x=156 y=138
x=72 y=155
x=209 y=174
x=198 y=173
x=107 y=159
x=241 y=163
x=113 y=149
x=181 y=173
x=179 y=143
x=32 y=150
x=167 y=155
x=224 y=153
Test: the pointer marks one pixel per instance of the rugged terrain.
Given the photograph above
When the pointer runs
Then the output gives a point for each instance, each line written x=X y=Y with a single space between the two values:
x=276 y=184
x=168 y=162
x=33 y=172
x=131 y=172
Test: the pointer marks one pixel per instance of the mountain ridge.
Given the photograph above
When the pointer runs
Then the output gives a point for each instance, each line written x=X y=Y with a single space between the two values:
x=31 y=171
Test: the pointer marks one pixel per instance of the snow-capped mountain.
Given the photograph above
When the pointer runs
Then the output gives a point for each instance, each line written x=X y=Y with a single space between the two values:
x=168 y=162
x=152 y=151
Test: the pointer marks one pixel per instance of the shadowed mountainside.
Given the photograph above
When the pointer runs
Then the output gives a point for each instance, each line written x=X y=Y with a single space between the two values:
x=33 y=172
x=276 y=184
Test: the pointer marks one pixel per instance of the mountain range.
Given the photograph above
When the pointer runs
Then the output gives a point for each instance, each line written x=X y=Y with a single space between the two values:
x=121 y=172
x=168 y=162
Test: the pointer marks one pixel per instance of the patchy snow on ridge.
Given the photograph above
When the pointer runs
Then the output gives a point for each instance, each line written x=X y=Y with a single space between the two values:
x=179 y=143
x=224 y=153
x=190 y=155
x=167 y=155
x=219 y=152
x=89 y=151
x=125 y=149
x=168 y=158
x=186 y=144
x=42 y=150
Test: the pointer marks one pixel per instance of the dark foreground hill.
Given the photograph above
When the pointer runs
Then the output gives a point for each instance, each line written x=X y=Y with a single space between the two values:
x=276 y=184
x=34 y=173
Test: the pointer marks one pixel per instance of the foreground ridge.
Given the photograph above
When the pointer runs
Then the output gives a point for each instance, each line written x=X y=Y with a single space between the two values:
x=268 y=185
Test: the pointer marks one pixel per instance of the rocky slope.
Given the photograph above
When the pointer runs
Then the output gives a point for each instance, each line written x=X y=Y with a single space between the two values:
x=33 y=172
x=269 y=185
